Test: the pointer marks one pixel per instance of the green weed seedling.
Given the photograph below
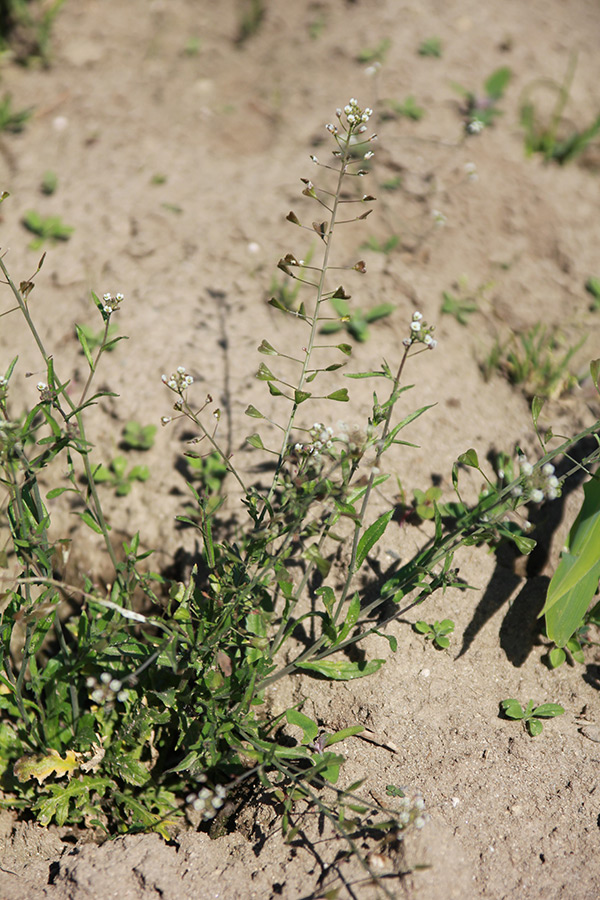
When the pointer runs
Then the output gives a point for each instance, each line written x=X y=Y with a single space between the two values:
x=376 y=54
x=531 y=716
x=96 y=338
x=408 y=109
x=592 y=286
x=462 y=308
x=437 y=632
x=49 y=183
x=480 y=110
x=47 y=228
x=138 y=437
x=385 y=247
x=555 y=139
x=536 y=360
x=115 y=475
x=431 y=47
x=354 y=320
x=250 y=18
x=33 y=22
x=12 y=120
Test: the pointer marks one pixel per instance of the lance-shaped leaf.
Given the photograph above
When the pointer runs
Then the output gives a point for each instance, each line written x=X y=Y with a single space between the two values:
x=373 y=533
x=575 y=581
x=342 y=670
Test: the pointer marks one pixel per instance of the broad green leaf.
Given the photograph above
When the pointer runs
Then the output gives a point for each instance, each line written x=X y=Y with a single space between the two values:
x=373 y=533
x=309 y=728
x=534 y=727
x=556 y=657
x=512 y=708
x=133 y=771
x=548 y=710
x=342 y=670
x=575 y=581
x=497 y=82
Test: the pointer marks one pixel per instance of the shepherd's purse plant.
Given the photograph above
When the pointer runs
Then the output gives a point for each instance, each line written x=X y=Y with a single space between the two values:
x=132 y=713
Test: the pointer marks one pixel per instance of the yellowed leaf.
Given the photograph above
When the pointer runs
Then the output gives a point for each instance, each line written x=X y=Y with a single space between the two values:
x=41 y=767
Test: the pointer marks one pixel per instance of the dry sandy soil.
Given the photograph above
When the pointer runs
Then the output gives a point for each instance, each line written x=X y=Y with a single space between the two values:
x=229 y=128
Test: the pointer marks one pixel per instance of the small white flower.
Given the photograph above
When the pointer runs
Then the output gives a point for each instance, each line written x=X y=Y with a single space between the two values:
x=119 y=297
x=164 y=420
x=553 y=482
x=42 y=386
x=475 y=126
x=537 y=496
x=181 y=370
x=548 y=469
x=106 y=297
x=417 y=316
x=415 y=326
x=517 y=490
x=526 y=467
x=369 y=155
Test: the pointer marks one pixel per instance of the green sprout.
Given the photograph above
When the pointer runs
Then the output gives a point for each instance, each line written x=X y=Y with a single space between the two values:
x=531 y=715
x=138 y=437
x=12 y=120
x=47 y=228
x=355 y=321
x=542 y=136
x=116 y=475
x=431 y=47
x=436 y=632
x=480 y=110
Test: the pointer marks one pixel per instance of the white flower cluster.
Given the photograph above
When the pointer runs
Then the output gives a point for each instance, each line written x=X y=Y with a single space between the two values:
x=111 y=304
x=356 y=118
x=322 y=441
x=207 y=802
x=420 y=333
x=107 y=689
x=412 y=811
x=475 y=126
x=355 y=115
x=178 y=381
x=536 y=484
